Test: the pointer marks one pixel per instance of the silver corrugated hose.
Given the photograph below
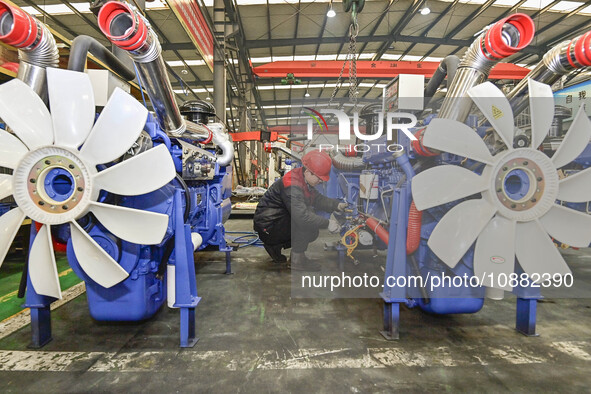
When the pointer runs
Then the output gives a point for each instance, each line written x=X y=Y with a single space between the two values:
x=125 y=27
x=498 y=41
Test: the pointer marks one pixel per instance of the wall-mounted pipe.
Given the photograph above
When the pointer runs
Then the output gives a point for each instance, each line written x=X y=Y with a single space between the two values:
x=36 y=45
x=82 y=45
x=500 y=40
x=126 y=28
x=558 y=61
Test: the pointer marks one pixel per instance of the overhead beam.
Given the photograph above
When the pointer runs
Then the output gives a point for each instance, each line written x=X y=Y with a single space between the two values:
x=371 y=69
x=283 y=42
x=399 y=27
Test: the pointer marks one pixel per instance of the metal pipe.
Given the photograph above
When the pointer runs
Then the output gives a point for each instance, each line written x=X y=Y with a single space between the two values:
x=36 y=46
x=223 y=140
x=80 y=48
x=126 y=28
x=346 y=163
x=219 y=67
x=558 y=61
x=502 y=39
x=447 y=67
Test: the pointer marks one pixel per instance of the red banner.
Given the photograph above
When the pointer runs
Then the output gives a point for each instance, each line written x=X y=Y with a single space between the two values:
x=191 y=17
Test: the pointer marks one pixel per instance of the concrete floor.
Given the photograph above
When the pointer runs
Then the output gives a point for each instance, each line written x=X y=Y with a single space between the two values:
x=255 y=338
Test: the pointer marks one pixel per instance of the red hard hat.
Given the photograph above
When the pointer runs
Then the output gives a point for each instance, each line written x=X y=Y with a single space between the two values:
x=318 y=163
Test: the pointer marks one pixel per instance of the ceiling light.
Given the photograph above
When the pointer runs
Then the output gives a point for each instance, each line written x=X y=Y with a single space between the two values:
x=307 y=93
x=425 y=11
x=331 y=13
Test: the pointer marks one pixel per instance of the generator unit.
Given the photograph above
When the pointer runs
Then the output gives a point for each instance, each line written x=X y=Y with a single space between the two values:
x=133 y=194
x=472 y=196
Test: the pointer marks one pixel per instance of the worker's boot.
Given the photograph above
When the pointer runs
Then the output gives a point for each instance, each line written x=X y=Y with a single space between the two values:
x=299 y=262
x=275 y=252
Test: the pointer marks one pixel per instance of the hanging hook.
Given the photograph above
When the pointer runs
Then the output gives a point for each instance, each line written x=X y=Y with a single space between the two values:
x=355 y=6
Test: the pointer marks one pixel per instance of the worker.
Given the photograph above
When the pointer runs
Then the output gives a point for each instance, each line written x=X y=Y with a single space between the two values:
x=285 y=216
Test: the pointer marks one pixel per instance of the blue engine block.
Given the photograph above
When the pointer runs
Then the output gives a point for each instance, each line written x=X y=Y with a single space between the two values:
x=198 y=206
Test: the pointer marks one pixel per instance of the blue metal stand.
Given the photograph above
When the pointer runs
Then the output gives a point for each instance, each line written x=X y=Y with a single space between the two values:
x=228 y=251
x=525 y=319
x=40 y=309
x=392 y=295
x=40 y=327
x=527 y=305
x=185 y=282
x=391 y=320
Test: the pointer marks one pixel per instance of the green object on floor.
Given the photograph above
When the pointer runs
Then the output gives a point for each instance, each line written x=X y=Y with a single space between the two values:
x=10 y=276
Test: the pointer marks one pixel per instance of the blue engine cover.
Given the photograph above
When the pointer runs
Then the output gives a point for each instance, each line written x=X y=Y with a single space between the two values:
x=141 y=295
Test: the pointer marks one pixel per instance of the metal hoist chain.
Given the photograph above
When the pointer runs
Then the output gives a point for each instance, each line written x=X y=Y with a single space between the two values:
x=351 y=60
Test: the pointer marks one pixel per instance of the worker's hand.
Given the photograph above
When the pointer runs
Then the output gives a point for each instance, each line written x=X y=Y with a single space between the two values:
x=342 y=206
x=333 y=224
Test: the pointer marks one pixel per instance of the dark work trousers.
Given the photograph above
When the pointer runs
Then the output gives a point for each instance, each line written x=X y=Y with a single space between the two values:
x=287 y=234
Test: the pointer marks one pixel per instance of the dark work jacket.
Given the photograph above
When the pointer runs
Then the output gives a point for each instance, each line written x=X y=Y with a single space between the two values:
x=291 y=196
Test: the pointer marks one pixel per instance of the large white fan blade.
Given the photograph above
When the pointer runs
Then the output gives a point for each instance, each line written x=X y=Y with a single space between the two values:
x=10 y=222
x=454 y=137
x=141 y=174
x=496 y=108
x=568 y=226
x=5 y=186
x=93 y=259
x=116 y=129
x=458 y=229
x=443 y=184
x=132 y=225
x=536 y=251
x=26 y=114
x=541 y=108
x=42 y=267
x=11 y=150
x=72 y=106
x=576 y=188
x=575 y=140
x=494 y=254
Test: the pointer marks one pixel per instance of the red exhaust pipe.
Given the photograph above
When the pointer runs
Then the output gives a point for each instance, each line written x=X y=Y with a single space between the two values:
x=508 y=36
x=581 y=46
x=18 y=28
x=122 y=27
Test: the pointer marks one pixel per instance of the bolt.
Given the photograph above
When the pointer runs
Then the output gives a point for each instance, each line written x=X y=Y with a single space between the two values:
x=539 y=179
x=47 y=162
x=534 y=199
x=41 y=203
x=513 y=205
x=499 y=190
x=32 y=180
x=504 y=168
x=80 y=189
x=64 y=207
x=71 y=166
x=525 y=163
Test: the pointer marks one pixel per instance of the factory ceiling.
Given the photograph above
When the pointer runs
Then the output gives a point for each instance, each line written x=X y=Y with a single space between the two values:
x=262 y=31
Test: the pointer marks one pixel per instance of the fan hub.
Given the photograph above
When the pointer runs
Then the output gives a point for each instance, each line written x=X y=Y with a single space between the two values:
x=524 y=184
x=52 y=185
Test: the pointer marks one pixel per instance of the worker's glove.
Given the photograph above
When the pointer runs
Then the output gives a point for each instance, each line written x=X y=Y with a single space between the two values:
x=342 y=206
x=333 y=224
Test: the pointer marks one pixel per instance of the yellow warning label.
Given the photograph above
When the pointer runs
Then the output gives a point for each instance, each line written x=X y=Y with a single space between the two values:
x=497 y=113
